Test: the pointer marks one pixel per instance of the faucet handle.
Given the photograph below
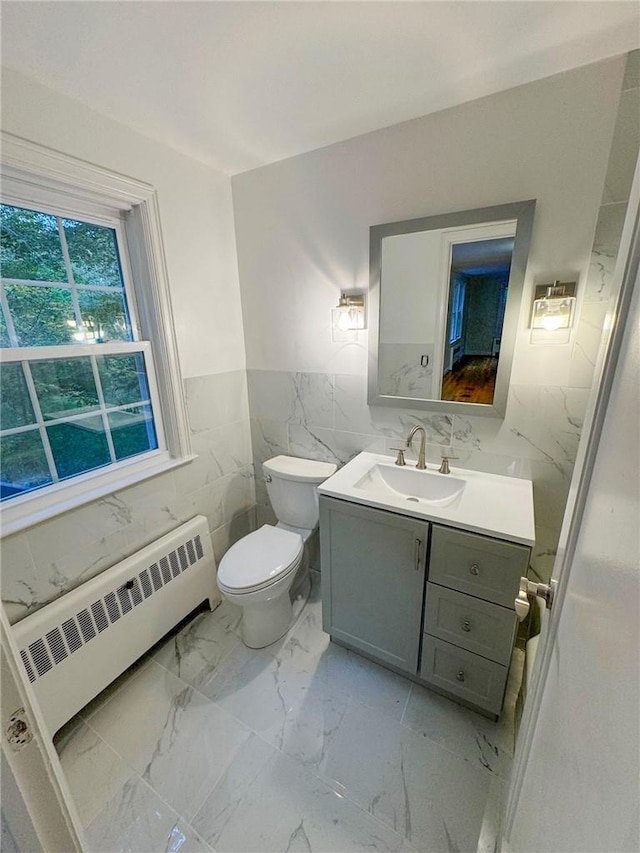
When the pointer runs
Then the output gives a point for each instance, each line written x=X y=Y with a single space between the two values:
x=400 y=456
x=444 y=465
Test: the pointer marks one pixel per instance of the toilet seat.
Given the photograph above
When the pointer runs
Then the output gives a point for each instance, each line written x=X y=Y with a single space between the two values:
x=260 y=559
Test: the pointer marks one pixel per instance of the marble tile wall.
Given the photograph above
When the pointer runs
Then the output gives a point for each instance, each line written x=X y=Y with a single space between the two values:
x=326 y=416
x=50 y=559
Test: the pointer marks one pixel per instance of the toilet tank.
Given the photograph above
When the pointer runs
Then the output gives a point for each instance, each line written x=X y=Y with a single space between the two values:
x=292 y=486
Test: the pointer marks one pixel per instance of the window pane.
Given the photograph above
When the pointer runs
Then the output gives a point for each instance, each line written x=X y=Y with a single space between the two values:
x=15 y=404
x=124 y=379
x=42 y=316
x=64 y=387
x=23 y=465
x=79 y=446
x=104 y=316
x=30 y=245
x=93 y=252
x=132 y=431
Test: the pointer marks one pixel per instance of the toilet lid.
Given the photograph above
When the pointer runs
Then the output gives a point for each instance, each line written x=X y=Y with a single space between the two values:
x=259 y=557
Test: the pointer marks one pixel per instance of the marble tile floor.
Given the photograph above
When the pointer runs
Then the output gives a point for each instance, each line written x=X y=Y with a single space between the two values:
x=206 y=745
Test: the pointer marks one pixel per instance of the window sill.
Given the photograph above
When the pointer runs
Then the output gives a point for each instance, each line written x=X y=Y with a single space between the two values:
x=36 y=507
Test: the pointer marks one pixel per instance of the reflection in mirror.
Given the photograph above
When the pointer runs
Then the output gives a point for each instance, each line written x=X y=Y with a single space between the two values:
x=445 y=297
x=478 y=287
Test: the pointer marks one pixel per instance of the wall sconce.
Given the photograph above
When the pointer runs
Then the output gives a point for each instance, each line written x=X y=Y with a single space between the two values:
x=348 y=316
x=554 y=306
x=553 y=310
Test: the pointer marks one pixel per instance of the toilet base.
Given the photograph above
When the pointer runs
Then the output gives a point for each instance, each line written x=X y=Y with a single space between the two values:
x=266 y=621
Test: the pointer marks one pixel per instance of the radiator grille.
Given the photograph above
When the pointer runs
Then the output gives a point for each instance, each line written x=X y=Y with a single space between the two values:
x=166 y=571
x=99 y=615
x=124 y=598
x=146 y=583
x=72 y=634
x=173 y=562
x=86 y=625
x=80 y=629
x=56 y=644
x=40 y=657
x=27 y=666
x=182 y=554
x=136 y=595
x=155 y=576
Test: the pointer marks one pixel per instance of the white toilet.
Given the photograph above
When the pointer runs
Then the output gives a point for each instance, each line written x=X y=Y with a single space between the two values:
x=258 y=572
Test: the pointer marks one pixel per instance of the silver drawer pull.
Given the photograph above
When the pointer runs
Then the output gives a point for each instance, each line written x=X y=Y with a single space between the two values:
x=466 y=625
x=474 y=568
x=460 y=675
x=417 y=545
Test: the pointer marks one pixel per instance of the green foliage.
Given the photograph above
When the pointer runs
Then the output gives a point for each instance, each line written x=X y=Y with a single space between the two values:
x=93 y=253
x=41 y=314
x=31 y=250
x=124 y=379
x=15 y=405
x=30 y=245
x=64 y=386
x=23 y=463
x=104 y=315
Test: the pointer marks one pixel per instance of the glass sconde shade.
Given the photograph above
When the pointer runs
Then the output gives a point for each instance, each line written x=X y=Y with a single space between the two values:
x=553 y=311
x=553 y=314
x=349 y=315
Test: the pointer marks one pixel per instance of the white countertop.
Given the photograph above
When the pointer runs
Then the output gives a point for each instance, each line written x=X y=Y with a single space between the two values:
x=489 y=504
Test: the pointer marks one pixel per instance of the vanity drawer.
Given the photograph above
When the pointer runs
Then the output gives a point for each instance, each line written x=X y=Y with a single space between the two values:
x=484 y=628
x=477 y=565
x=472 y=678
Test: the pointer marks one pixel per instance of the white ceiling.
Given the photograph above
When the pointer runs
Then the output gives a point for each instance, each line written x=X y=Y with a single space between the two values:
x=241 y=84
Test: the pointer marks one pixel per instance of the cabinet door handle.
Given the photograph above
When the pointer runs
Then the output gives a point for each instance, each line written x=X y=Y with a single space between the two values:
x=466 y=625
x=460 y=675
x=474 y=568
x=416 y=550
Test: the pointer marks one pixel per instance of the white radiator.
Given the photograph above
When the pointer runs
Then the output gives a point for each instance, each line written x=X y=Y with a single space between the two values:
x=77 y=645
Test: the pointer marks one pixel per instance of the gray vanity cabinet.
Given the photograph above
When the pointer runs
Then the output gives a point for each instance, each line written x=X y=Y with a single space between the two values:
x=431 y=601
x=373 y=575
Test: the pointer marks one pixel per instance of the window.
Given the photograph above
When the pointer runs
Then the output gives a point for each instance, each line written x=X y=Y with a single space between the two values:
x=81 y=400
x=457 y=309
x=71 y=400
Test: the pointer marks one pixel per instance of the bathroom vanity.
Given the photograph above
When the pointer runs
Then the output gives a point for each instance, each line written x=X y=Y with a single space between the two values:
x=420 y=572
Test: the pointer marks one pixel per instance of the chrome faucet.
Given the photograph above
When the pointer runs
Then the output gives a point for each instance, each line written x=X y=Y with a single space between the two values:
x=421 y=464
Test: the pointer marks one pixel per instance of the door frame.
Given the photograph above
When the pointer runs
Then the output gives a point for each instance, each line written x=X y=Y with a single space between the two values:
x=39 y=808
x=625 y=277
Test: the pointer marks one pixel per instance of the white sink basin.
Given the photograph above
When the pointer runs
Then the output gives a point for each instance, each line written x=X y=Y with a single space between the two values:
x=411 y=484
x=491 y=504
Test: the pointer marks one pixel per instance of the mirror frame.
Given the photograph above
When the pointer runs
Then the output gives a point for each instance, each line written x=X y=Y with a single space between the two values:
x=520 y=211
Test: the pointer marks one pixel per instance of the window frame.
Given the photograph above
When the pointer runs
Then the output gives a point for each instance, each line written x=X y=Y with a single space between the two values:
x=36 y=177
x=459 y=295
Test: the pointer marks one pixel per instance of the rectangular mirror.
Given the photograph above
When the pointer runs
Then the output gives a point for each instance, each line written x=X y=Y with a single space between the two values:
x=445 y=295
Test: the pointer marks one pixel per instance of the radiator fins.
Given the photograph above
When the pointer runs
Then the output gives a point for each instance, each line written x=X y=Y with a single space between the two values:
x=56 y=644
x=27 y=666
x=97 y=608
x=40 y=658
